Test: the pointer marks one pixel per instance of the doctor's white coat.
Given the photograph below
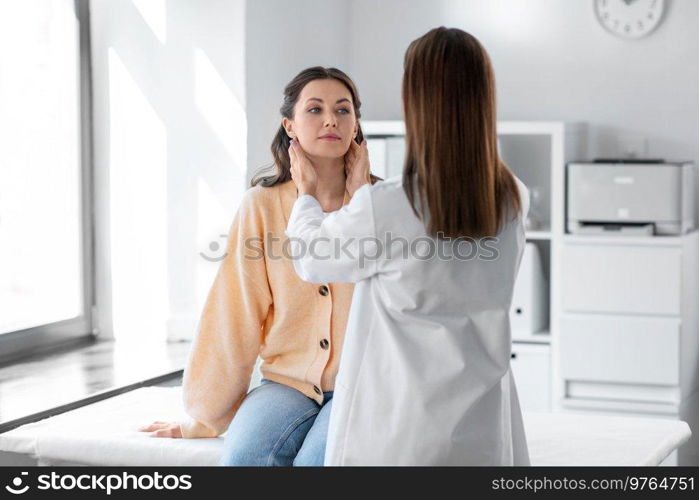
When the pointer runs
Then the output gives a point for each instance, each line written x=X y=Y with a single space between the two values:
x=425 y=376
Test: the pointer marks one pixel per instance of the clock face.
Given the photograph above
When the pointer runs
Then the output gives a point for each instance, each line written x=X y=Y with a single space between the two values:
x=629 y=18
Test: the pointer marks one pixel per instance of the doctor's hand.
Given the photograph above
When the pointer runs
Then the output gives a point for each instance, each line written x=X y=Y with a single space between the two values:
x=357 y=168
x=163 y=429
x=302 y=171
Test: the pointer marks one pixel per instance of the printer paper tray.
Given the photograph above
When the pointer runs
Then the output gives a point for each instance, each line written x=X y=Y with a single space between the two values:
x=611 y=228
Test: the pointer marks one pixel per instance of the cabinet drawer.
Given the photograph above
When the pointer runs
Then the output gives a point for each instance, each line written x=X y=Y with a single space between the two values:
x=619 y=278
x=620 y=349
x=530 y=368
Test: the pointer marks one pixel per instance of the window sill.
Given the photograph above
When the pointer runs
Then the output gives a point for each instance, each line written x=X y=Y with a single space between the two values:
x=38 y=387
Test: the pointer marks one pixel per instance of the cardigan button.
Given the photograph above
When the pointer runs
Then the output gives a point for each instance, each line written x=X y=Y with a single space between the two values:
x=323 y=290
x=324 y=343
x=317 y=389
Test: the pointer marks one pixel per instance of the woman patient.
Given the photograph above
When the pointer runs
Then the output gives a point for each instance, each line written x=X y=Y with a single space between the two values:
x=258 y=305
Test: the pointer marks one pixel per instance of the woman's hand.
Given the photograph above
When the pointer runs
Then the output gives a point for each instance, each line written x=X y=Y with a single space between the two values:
x=163 y=429
x=302 y=171
x=357 y=168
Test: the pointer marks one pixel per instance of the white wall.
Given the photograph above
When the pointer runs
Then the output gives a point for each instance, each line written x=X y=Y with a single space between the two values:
x=553 y=61
x=170 y=156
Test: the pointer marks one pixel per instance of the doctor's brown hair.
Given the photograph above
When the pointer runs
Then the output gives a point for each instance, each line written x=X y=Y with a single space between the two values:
x=448 y=97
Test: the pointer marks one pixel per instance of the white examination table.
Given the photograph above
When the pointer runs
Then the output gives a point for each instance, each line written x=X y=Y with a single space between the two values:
x=104 y=433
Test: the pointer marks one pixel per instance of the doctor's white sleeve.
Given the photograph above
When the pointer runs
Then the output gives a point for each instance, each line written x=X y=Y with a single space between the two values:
x=339 y=247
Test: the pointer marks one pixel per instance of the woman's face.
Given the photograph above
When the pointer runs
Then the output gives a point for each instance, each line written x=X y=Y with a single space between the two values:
x=324 y=122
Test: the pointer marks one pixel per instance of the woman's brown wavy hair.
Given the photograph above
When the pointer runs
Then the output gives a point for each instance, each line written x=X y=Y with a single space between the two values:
x=280 y=172
x=448 y=94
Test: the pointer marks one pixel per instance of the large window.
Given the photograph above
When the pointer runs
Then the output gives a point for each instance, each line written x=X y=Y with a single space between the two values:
x=45 y=250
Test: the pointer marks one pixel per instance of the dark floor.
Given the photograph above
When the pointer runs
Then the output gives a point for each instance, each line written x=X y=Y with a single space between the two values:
x=49 y=384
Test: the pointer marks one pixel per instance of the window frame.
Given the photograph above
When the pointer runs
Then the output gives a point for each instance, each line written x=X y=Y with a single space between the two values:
x=82 y=329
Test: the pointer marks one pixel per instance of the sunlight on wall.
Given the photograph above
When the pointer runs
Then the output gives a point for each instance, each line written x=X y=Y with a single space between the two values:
x=154 y=13
x=131 y=355
x=138 y=208
x=222 y=111
x=213 y=223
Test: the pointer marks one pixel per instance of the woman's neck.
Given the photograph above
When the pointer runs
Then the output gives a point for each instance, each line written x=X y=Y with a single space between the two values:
x=331 y=182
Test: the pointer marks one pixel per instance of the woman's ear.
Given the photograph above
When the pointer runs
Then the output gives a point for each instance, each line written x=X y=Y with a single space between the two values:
x=286 y=123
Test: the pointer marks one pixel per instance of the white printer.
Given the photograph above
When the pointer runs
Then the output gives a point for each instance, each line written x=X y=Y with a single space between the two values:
x=630 y=197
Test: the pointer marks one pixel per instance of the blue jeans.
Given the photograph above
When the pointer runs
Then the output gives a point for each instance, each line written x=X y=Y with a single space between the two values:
x=277 y=425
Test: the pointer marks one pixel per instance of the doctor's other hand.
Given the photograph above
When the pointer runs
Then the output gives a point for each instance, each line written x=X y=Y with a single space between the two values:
x=357 y=168
x=163 y=429
x=302 y=171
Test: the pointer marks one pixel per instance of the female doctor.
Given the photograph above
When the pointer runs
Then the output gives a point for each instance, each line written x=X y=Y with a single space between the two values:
x=425 y=376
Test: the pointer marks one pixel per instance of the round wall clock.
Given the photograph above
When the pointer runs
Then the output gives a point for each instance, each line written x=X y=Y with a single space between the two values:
x=629 y=18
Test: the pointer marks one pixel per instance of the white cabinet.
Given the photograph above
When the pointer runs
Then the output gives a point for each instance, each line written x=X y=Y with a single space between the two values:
x=620 y=349
x=627 y=328
x=537 y=153
x=621 y=278
x=531 y=369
